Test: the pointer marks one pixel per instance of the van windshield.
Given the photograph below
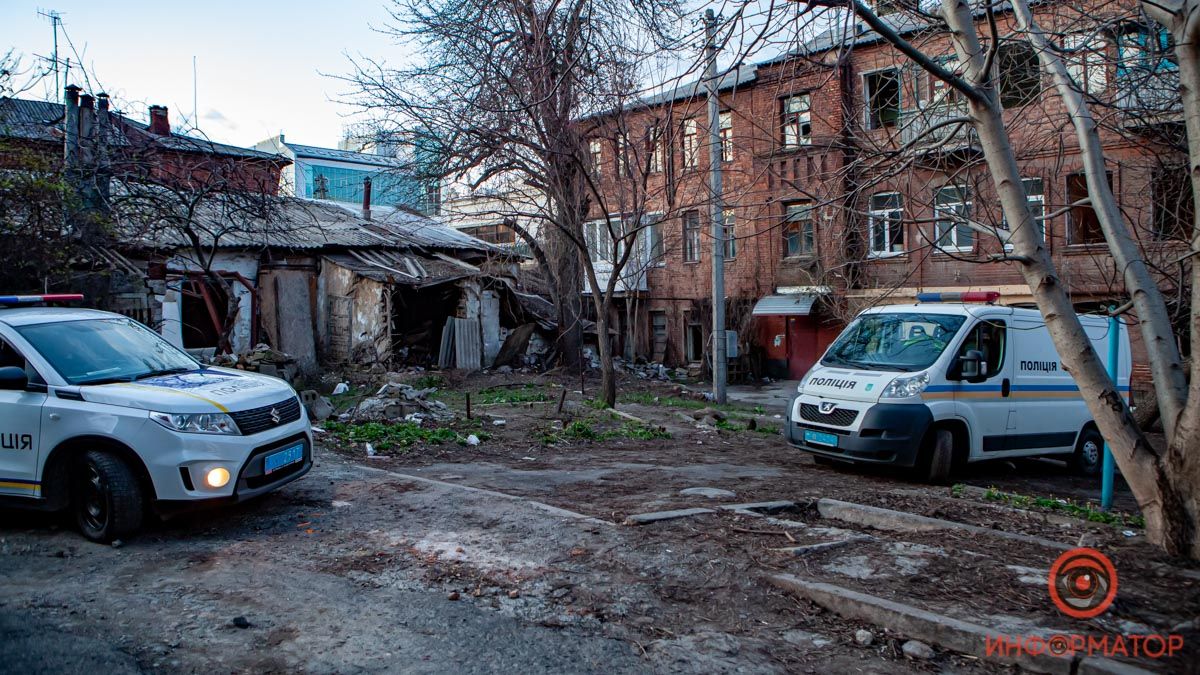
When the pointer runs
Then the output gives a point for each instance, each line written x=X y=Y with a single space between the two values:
x=900 y=341
x=99 y=351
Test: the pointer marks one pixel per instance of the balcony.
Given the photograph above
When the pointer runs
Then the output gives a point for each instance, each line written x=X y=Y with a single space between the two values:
x=1149 y=97
x=920 y=126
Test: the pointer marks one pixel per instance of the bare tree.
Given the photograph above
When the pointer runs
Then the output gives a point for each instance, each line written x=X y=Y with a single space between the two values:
x=499 y=93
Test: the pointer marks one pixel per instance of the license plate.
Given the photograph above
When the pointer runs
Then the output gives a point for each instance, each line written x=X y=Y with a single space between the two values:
x=820 y=438
x=286 y=457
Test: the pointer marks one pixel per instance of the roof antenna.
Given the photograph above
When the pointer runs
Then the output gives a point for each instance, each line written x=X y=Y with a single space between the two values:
x=195 y=119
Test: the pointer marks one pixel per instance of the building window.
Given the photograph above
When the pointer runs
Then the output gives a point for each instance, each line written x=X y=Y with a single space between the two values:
x=695 y=340
x=1144 y=49
x=885 y=224
x=941 y=93
x=726 y=128
x=655 y=150
x=1086 y=62
x=691 y=143
x=883 y=98
x=730 y=234
x=691 y=236
x=1174 y=210
x=951 y=208
x=493 y=234
x=624 y=165
x=799 y=232
x=1083 y=225
x=797 y=121
x=1019 y=74
x=596 y=152
x=1035 y=198
x=598 y=240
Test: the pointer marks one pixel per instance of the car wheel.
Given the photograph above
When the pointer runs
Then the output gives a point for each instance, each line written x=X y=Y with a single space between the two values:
x=107 y=499
x=938 y=457
x=1089 y=453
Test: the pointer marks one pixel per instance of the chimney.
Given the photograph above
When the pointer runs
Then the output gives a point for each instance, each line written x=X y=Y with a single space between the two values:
x=366 y=199
x=87 y=119
x=71 y=125
x=160 y=124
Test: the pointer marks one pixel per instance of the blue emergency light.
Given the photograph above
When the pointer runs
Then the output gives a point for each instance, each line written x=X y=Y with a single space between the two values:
x=989 y=297
x=15 y=300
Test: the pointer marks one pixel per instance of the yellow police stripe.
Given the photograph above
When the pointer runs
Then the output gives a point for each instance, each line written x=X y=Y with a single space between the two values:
x=172 y=391
x=20 y=485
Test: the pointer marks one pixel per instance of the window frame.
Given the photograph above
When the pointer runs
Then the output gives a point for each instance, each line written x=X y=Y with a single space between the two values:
x=1005 y=92
x=940 y=207
x=796 y=125
x=690 y=139
x=725 y=132
x=690 y=221
x=803 y=216
x=596 y=153
x=1071 y=224
x=876 y=215
x=729 y=228
x=870 y=119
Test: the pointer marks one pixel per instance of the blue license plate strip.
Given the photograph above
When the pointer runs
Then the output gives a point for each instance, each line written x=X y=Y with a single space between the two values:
x=286 y=457
x=820 y=438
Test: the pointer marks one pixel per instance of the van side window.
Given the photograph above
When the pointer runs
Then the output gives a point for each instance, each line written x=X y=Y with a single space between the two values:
x=11 y=357
x=990 y=338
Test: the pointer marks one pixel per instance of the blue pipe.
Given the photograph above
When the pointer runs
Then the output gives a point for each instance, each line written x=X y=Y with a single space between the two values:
x=1114 y=351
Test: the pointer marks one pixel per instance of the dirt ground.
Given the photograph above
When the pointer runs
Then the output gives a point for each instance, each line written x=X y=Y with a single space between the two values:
x=511 y=556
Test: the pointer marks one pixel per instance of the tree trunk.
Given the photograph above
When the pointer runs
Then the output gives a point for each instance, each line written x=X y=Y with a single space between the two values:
x=608 y=372
x=561 y=252
x=1168 y=523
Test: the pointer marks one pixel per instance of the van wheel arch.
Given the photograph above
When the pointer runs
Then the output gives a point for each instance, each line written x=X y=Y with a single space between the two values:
x=962 y=438
x=935 y=462
x=56 y=477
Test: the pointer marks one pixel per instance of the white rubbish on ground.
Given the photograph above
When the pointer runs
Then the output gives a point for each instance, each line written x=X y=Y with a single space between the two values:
x=472 y=440
x=370 y=450
x=341 y=388
x=499 y=423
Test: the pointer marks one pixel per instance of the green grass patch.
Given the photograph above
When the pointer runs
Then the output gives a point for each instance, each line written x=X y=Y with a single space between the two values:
x=1086 y=512
x=384 y=436
x=428 y=382
x=524 y=394
x=582 y=430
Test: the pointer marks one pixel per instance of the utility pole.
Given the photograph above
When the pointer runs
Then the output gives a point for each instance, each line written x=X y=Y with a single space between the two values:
x=717 y=211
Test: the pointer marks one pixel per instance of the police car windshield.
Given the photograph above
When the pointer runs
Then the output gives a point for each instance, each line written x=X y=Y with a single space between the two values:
x=893 y=341
x=98 y=351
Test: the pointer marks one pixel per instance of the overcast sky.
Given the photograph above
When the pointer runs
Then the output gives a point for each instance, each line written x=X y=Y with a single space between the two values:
x=259 y=62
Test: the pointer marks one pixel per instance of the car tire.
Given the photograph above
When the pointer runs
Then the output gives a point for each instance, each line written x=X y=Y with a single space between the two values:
x=107 y=498
x=938 y=457
x=1089 y=453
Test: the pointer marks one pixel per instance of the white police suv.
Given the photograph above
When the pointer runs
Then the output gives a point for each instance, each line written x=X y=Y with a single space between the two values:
x=101 y=415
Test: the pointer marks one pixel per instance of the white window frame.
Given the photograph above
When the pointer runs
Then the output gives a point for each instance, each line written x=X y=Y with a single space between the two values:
x=729 y=223
x=1087 y=62
x=1037 y=206
x=888 y=218
x=691 y=143
x=725 y=130
x=596 y=152
x=940 y=208
x=797 y=120
x=657 y=156
x=598 y=240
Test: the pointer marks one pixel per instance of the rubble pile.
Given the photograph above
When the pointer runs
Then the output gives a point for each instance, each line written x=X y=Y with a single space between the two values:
x=640 y=370
x=262 y=359
x=399 y=402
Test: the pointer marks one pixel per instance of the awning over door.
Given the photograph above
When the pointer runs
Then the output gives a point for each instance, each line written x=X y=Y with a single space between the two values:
x=785 y=305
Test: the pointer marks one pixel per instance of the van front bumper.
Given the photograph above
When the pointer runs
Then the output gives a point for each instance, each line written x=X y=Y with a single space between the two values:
x=890 y=433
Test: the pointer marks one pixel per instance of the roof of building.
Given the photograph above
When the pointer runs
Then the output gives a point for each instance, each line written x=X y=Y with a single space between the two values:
x=314 y=152
x=42 y=121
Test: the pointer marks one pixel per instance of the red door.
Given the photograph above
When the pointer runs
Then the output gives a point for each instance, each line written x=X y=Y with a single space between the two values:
x=802 y=345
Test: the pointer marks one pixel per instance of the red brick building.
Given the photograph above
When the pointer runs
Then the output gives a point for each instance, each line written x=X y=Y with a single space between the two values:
x=848 y=183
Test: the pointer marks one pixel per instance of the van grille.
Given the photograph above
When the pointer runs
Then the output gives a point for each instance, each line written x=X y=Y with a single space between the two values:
x=258 y=420
x=840 y=417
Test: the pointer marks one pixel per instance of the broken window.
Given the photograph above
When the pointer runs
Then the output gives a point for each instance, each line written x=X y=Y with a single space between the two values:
x=691 y=236
x=1143 y=49
x=1086 y=63
x=885 y=229
x=730 y=234
x=691 y=143
x=695 y=342
x=797 y=120
x=1174 y=210
x=1083 y=225
x=1019 y=74
x=951 y=208
x=799 y=233
x=883 y=98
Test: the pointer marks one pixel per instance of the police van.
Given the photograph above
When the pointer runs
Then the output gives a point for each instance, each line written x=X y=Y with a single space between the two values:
x=946 y=381
x=100 y=415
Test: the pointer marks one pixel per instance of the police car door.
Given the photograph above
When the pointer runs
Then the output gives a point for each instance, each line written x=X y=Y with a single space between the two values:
x=20 y=426
x=987 y=401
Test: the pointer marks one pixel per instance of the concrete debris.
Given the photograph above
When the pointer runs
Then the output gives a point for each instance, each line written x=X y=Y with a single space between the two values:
x=262 y=359
x=319 y=408
x=915 y=649
x=864 y=637
x=711 y=493
x=396 y=401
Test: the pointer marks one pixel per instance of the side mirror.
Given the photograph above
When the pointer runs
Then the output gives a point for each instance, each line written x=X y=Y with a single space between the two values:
x=971 y=365
x=13 y=378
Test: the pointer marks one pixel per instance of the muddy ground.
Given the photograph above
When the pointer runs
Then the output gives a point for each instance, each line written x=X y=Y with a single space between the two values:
x=511 y=556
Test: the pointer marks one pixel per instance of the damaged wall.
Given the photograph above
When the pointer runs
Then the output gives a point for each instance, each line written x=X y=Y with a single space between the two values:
x=352 y=316
x=173 y=310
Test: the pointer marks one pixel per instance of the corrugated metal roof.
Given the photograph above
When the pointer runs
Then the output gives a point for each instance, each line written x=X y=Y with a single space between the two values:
x=399 y=268
x=421 y=230
x=784 y=305
x=334 y=154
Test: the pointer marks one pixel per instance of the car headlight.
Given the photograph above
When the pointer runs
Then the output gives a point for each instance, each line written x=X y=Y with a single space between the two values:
x=906 y=387
x=197 y=423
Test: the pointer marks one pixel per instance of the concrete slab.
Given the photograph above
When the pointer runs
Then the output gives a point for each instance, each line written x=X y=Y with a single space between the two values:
x=765 y=507
x=644 y=518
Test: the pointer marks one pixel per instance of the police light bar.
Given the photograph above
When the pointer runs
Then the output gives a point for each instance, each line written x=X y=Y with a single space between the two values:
x=11 y=300
x=989 y=297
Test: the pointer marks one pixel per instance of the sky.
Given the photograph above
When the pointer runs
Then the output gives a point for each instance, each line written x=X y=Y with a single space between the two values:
x=259 y=63
x=262 y=66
